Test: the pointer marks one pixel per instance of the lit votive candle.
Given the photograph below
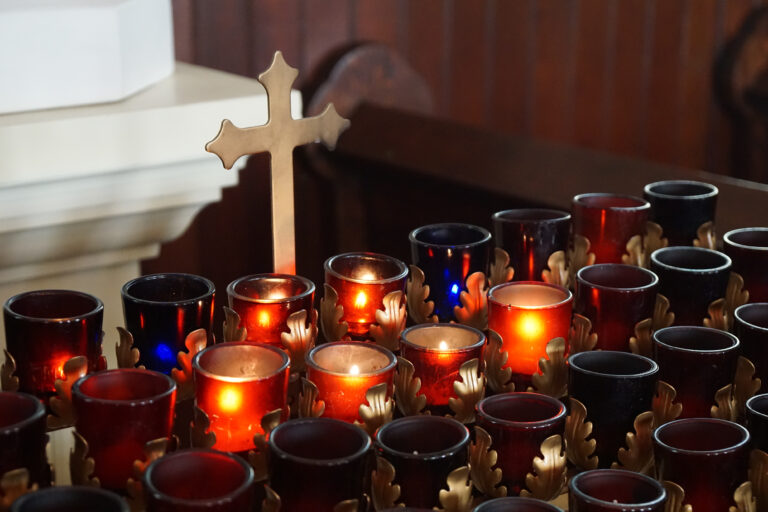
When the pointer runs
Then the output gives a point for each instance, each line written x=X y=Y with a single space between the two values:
x=265 y=301
x=236 y=384
x=343 y=371
x=437 y=351
x=362 y=280
x=527 y=315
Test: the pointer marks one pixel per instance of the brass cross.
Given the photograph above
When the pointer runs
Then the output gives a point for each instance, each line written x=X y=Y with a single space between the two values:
x=279 y=136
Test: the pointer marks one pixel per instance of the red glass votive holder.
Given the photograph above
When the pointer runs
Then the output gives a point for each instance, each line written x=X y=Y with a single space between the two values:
x=697 y=362
x=423 y=450
x=527 y=315
x=316 y=463
x=161 y=310
x=680 y=207
x=608 y=221
x=362 y=280
x=44 y=329
x=118 y=413
x=757 y=421
x=437 y=351
x=615 y=298
x=518 y=423
x=344 y=371
x=530 y=236
x=236 y=384
x=707 y=457
x=199 y=480
x=615 y=490
x=748 y=248
x=516 y=504
x=70 y=499
x=22 y=437
x=265 y=301
x=751 y=327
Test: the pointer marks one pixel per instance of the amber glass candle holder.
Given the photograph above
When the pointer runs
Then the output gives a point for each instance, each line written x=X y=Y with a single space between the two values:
x=515 y=504
x=265 y=301
x=70 y=499
x=527 y=315
x=697 y=362
x=199 y=480
x=437 y=351
x=316 y=463
x=757 y=421
x=423 y=450
x=530 y=236
x=447 y=254
x=236 y=384
x=46 y=328
x=691 y=278
x=518 y=424
x=344 y=371
x=362 y=280
x=615 y=298
x=608 y=221
x=614 y=387
x=22 y=436
x=748 y=248
x=118 y=413
x=751 y=327
x=615 y=490
x=161 y=310
x=707 y=457
x=680 y=207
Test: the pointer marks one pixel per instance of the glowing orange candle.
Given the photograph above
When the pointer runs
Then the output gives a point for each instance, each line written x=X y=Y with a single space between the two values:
x=344 y=371
x=236 y=384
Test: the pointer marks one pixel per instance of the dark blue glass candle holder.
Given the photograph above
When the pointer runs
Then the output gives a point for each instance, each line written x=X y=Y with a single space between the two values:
x=447 y=254
x=680 y=207
x=161 y=310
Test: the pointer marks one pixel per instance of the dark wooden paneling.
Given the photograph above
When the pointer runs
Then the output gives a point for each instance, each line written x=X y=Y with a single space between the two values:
x=425 y=47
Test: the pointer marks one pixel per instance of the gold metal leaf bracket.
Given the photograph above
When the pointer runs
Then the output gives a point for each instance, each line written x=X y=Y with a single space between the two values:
x=127 y=354
x=638 y=455
x=309 y=405
x=580 y=337
x=331 y=313
x=153 y=450
x=8 y=381
x=384 y=493
x=61 y=404
x=549 y=478
x=271 y=501
x=721 y=311
x=14 y=484
x=758 y=475
x=482 y=459
x=458 y=497
x=662 y=317
x=419 y=309
x=579 y=257
x=705 y=236
x=744 y=499
x=557 y=271
x=199 y=430
x=639 y=248
x=675 y=498
x=407 y=387
x=732 y=399
x=259 y=458
x=390 y=321
x=497 y=376
x=379 y=409
x=579 y=449
x=474 y=303
x=300 y=338
x=500 y=272
x=469 y=391
x=231 y=328
x=195 y=342
x=552 y=378
x=80 y=465
x=664 y=407
x=642 y=343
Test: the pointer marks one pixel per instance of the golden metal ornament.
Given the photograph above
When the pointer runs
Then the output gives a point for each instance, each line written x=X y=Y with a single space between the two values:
x=458 y=497
x=153 y=450
x=309 y=405
x=745 y=501
x=579 y=256
x=557 y=270
x=300 y=339
x=662 y=317
x=549 y=477
x=80 y=465
x=200 y=434
x=407 y=387
x=552 y=378
x=279 y=137
x=61 y=404
x=271 y=501
x=500 y=272
x=330 y=315
x=721 y=311
x=8 y=381
x=495 y=358
x=705 y=236
x=642 y=343
x=758 y=475
x=384 y=493
x=347 y=506
x=419 y=308
x=638 y=455
x=474 y=303
x=231 y=329
x=127 y=354
x=732 y=399
x=664 y=407
x=14 y=484
x=675 y=498
x=195 y=342
x=469 y=391
x=482 y=459
x=379 y=409
x=390 y=321
x=580 y=451
x=259 y=458
x=639 y=248
x=580 y=337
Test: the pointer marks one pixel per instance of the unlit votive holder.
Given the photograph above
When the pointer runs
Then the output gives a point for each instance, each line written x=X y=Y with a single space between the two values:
x=697 y=362
x=615 y=490
x=748 y=248
x=199 y=480
x=615 y=298
x=680 y=207
x=70 y=499
x=691 y=278
x=530 y=236
x=161 y=310
x=447 y=254
x=751 y=327
x=516 y=504
x=707 y=457
x=46 y=328
x=22 y=437
x=608 y=221
x=757 y=421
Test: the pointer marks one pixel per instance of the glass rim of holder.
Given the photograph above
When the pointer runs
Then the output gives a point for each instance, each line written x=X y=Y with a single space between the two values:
x=35 y=415
x=484 y=238
x=569 y=296
x=627 y=269
x=651 y=189
x=750 y=323
x=681 y=423
x=751 y=405
x=52 y=498
x=728 y=238
x=653 y=367
x=521 y=395
x=423 y=418
x=531 y=215
x=402 y=268
x=125 y=291
x=296 y=423
x=514 y=503
x=98 y=306
x=94 y=377
x=725 y=260
x=618 y=473
x=711 y=333
x=197 y=367
x=151 y=488
x=233 y=293
x=311 y=362
x=453 y=350
x=585 y=201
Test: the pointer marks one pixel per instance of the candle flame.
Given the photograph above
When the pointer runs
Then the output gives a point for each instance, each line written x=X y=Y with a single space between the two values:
x=360 y=300
x=264 y=319
x=354 y=370
x=229 y=400
x=530 y=326
x=443 y=345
